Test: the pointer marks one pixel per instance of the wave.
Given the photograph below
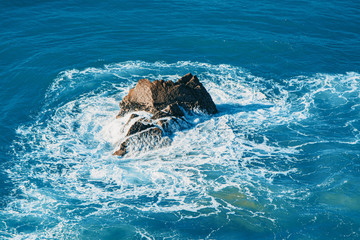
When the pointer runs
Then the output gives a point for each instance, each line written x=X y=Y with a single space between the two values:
x=240 y=165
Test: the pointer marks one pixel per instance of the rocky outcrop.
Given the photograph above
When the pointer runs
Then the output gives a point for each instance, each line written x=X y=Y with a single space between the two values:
x=167 y=102
x=166 y=97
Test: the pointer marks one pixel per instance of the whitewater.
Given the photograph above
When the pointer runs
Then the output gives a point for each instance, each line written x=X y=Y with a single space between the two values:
x=280 y=160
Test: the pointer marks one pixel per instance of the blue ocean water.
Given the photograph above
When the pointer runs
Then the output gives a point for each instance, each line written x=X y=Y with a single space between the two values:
x=281 y=159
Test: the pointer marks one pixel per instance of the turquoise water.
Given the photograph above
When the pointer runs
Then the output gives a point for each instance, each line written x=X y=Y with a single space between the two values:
x=281 y=159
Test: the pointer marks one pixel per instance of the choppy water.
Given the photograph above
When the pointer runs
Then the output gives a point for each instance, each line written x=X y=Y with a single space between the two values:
x=281 y=159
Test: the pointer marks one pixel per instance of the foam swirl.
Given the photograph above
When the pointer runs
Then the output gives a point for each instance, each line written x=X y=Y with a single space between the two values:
x=242 y=164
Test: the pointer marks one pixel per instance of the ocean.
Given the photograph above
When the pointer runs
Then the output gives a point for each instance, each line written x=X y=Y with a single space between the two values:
x=280 y=160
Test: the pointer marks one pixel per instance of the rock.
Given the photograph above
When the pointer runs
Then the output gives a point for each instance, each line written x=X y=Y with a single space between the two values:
x=148 y=138
x=172 y=110
x=138 y=126
x=166 y=101
x=122 y=149
x=187 y=93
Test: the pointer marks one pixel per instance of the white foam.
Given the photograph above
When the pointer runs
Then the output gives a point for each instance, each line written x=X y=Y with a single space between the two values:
x=67 y=152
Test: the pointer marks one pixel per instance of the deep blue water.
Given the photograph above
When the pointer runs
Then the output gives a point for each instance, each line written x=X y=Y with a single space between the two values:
x=281 y=159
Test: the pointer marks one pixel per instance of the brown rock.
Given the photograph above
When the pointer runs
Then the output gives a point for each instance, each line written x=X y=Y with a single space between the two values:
x=187 y=93
x=122 y=149
x=138 y=126
x=167 y=101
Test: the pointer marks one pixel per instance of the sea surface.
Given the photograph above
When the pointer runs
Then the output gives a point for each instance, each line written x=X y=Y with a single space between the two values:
x=280 y=160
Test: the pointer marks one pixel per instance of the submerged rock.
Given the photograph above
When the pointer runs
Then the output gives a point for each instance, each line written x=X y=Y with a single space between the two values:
x=167 y=102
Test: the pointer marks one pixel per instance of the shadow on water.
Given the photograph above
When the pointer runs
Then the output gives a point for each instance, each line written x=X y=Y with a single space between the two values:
x=236 y=108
